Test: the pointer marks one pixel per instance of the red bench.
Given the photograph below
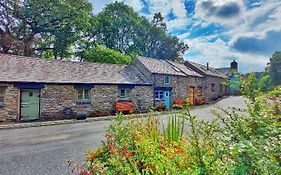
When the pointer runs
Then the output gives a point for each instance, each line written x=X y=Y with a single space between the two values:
x=124 y=107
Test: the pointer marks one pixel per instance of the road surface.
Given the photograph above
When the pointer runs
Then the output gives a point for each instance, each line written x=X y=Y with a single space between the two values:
x=46 y=150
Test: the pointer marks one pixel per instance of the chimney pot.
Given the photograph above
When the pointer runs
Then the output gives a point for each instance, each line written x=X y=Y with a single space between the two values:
x=207 y=66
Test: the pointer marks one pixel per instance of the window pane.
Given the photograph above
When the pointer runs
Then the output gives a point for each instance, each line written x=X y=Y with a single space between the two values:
x=80 y=94
x=122 y=93
x=156 y=95
x=2 y=94
x=86 y=94
x=167 y=79
x=128 y=93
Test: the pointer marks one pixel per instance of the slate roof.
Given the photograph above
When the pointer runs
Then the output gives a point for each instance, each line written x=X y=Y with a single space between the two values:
x=226 y=71
x=27 y=69
x=185 y=69
x=166 y=67
x=203 y=69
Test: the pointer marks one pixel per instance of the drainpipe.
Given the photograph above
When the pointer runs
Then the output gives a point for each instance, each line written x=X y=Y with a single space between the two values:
x=153 y=95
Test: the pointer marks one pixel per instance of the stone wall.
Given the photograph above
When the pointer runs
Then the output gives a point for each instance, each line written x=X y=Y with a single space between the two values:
x=180 y=85
x=209 y=93
x=9 y=112
x=142 y=97
x=56 y=98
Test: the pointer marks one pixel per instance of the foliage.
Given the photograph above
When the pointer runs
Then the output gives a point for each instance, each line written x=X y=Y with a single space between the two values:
x=105 y=55
x=238 y=141
x=60 y=29
x=174 y=130
x=275 y=69
x=30 y=27
x=119 y=27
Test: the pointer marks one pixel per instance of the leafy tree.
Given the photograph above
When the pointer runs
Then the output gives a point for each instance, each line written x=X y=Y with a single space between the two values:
x=27 y=24
x=105 y=55
x=119 y=27
x=275 y=69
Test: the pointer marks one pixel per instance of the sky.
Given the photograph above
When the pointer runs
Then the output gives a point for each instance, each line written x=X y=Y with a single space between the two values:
x=218 y=31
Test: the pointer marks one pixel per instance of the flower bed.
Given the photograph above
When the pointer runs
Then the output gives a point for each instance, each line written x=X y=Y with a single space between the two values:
x=246 y=144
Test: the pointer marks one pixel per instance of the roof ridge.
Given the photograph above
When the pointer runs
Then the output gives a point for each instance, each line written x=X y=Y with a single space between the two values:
x=56 y=60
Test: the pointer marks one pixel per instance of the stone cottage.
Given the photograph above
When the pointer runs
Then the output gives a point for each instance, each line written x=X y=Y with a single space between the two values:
x=232 y=74
x=214 y=82
x=171 y=80
x=44 y=89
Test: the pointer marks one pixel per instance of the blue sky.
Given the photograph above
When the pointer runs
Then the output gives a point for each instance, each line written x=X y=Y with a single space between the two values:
x=218 y=31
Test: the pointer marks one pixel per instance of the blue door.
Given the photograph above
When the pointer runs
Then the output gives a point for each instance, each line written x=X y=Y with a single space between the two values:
x=167 y=99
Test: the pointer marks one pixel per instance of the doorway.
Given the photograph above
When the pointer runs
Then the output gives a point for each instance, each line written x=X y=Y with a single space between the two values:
x=30 y=104
x=191 y=95
x=167 y=99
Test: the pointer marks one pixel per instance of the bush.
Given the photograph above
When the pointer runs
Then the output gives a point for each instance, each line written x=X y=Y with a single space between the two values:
x=237 y=142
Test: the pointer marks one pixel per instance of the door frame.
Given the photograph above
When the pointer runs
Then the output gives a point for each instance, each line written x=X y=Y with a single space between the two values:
x=20 y=101
x=193 y=95
x=167 y=107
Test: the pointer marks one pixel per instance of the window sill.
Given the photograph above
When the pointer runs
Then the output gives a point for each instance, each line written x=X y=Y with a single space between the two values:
x=125 y=100
x=83 y=102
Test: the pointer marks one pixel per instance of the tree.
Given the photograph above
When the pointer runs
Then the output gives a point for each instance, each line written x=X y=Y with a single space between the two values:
x=275 y=69
x=27 y=24
x=119 y=27
x=105 y=55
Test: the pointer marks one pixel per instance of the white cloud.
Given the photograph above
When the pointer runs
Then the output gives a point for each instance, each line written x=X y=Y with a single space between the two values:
x=218 y=54
x=136 y=4
x=177 y=7
x=224 y=12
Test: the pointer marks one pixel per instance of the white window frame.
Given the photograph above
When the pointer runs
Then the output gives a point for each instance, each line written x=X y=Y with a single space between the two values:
x=168 y=78
x=157 y=95
x=83 y=100
x=127 y=93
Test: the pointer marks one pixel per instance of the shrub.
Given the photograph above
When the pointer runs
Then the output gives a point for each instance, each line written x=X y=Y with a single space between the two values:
x=237 y=142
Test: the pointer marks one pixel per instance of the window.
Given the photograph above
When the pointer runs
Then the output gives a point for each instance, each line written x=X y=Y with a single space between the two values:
x=159 y=95
x=213 y=87
x=83 y=96
x=2 y=94
x=221 y=88
x=125 y=94
x=167 y=80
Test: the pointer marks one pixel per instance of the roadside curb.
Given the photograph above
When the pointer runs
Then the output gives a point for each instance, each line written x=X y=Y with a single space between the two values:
x=93 y=119
x=73 y=121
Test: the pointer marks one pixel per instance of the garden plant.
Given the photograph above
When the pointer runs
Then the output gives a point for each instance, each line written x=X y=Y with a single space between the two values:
x=237 y=141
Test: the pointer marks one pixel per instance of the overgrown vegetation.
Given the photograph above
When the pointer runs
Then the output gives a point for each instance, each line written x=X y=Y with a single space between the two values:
x=238 y=141
x=64 y=29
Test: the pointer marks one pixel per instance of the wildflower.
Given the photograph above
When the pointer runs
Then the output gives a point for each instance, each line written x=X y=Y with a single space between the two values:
x=110 y=145
x=162 y=148
x=111 y=151
x=180 y=151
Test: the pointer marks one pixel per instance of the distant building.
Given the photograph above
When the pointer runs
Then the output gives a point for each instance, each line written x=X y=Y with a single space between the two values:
x=232 y=73
x=214 y=83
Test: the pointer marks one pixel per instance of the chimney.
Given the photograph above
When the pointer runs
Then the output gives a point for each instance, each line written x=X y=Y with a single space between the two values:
x=207 y=66
x=234 y=65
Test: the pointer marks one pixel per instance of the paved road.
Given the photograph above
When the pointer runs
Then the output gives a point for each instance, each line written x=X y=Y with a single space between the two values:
x=46 y=150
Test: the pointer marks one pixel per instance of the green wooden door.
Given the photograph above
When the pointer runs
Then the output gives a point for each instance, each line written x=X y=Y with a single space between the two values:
x=30 y=99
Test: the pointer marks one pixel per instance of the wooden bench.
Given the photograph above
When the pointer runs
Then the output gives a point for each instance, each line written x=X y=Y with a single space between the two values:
x=124 y=107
